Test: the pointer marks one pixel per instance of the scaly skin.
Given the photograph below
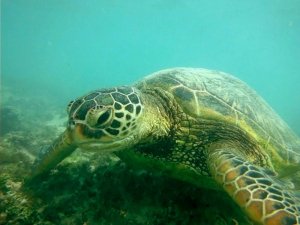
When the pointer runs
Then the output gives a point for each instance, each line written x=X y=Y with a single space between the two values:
x=61 y=148
x=262 y=198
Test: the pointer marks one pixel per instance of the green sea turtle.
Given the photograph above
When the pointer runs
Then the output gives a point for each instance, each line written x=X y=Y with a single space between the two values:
x=202 y=126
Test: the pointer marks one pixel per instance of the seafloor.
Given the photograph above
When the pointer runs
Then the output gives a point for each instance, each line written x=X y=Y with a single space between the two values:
x=90 y=188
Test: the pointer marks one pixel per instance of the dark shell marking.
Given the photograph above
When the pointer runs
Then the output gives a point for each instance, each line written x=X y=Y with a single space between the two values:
x=220 y=109
x=200 y=90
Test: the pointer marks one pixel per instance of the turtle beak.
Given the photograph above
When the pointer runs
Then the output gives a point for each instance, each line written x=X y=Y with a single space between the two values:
x=75 y=130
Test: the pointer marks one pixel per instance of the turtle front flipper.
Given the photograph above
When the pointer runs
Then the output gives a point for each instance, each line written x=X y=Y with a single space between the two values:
x=263 y=199
x=55 y=153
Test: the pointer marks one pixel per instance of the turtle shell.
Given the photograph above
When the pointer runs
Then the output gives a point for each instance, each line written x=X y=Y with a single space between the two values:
x=210 y=94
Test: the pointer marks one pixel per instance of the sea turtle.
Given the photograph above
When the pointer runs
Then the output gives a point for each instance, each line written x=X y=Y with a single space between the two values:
x=202 y=126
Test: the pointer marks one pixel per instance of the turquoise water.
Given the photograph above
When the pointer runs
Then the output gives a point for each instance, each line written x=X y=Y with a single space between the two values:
x=61 y=49
x=56 y=50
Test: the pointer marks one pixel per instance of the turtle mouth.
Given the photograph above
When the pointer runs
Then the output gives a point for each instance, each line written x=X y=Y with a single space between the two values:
x=103 y=147
x=112 y=146
x=96 y=140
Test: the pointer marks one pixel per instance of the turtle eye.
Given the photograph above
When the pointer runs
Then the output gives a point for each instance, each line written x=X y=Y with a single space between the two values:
x=99 y=117
x=104 y=118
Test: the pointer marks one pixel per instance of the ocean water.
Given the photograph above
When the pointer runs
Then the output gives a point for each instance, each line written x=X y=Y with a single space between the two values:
x=56 y=50
x=62 y=49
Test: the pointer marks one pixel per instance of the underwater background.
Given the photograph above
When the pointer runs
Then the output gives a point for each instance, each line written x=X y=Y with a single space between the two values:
x=56 y=50
x=60 y=49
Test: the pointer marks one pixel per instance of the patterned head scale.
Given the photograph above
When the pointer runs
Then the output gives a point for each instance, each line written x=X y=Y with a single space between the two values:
x=105 y=114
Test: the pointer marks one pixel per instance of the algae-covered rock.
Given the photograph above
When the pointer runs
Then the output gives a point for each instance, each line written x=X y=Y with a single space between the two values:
x=84 y=193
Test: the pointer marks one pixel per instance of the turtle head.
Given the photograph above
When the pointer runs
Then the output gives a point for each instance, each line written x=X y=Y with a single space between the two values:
x=105 y=119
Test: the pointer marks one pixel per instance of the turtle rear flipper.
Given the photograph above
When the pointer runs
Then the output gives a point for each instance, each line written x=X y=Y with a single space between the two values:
x=263 y=199
x=53 y=155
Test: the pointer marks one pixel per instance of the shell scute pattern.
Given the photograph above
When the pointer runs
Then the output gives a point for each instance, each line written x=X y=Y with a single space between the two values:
x=202 y=92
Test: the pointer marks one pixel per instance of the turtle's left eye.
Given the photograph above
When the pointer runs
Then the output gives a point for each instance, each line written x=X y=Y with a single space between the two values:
x=99 y=117
x=104 y=118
